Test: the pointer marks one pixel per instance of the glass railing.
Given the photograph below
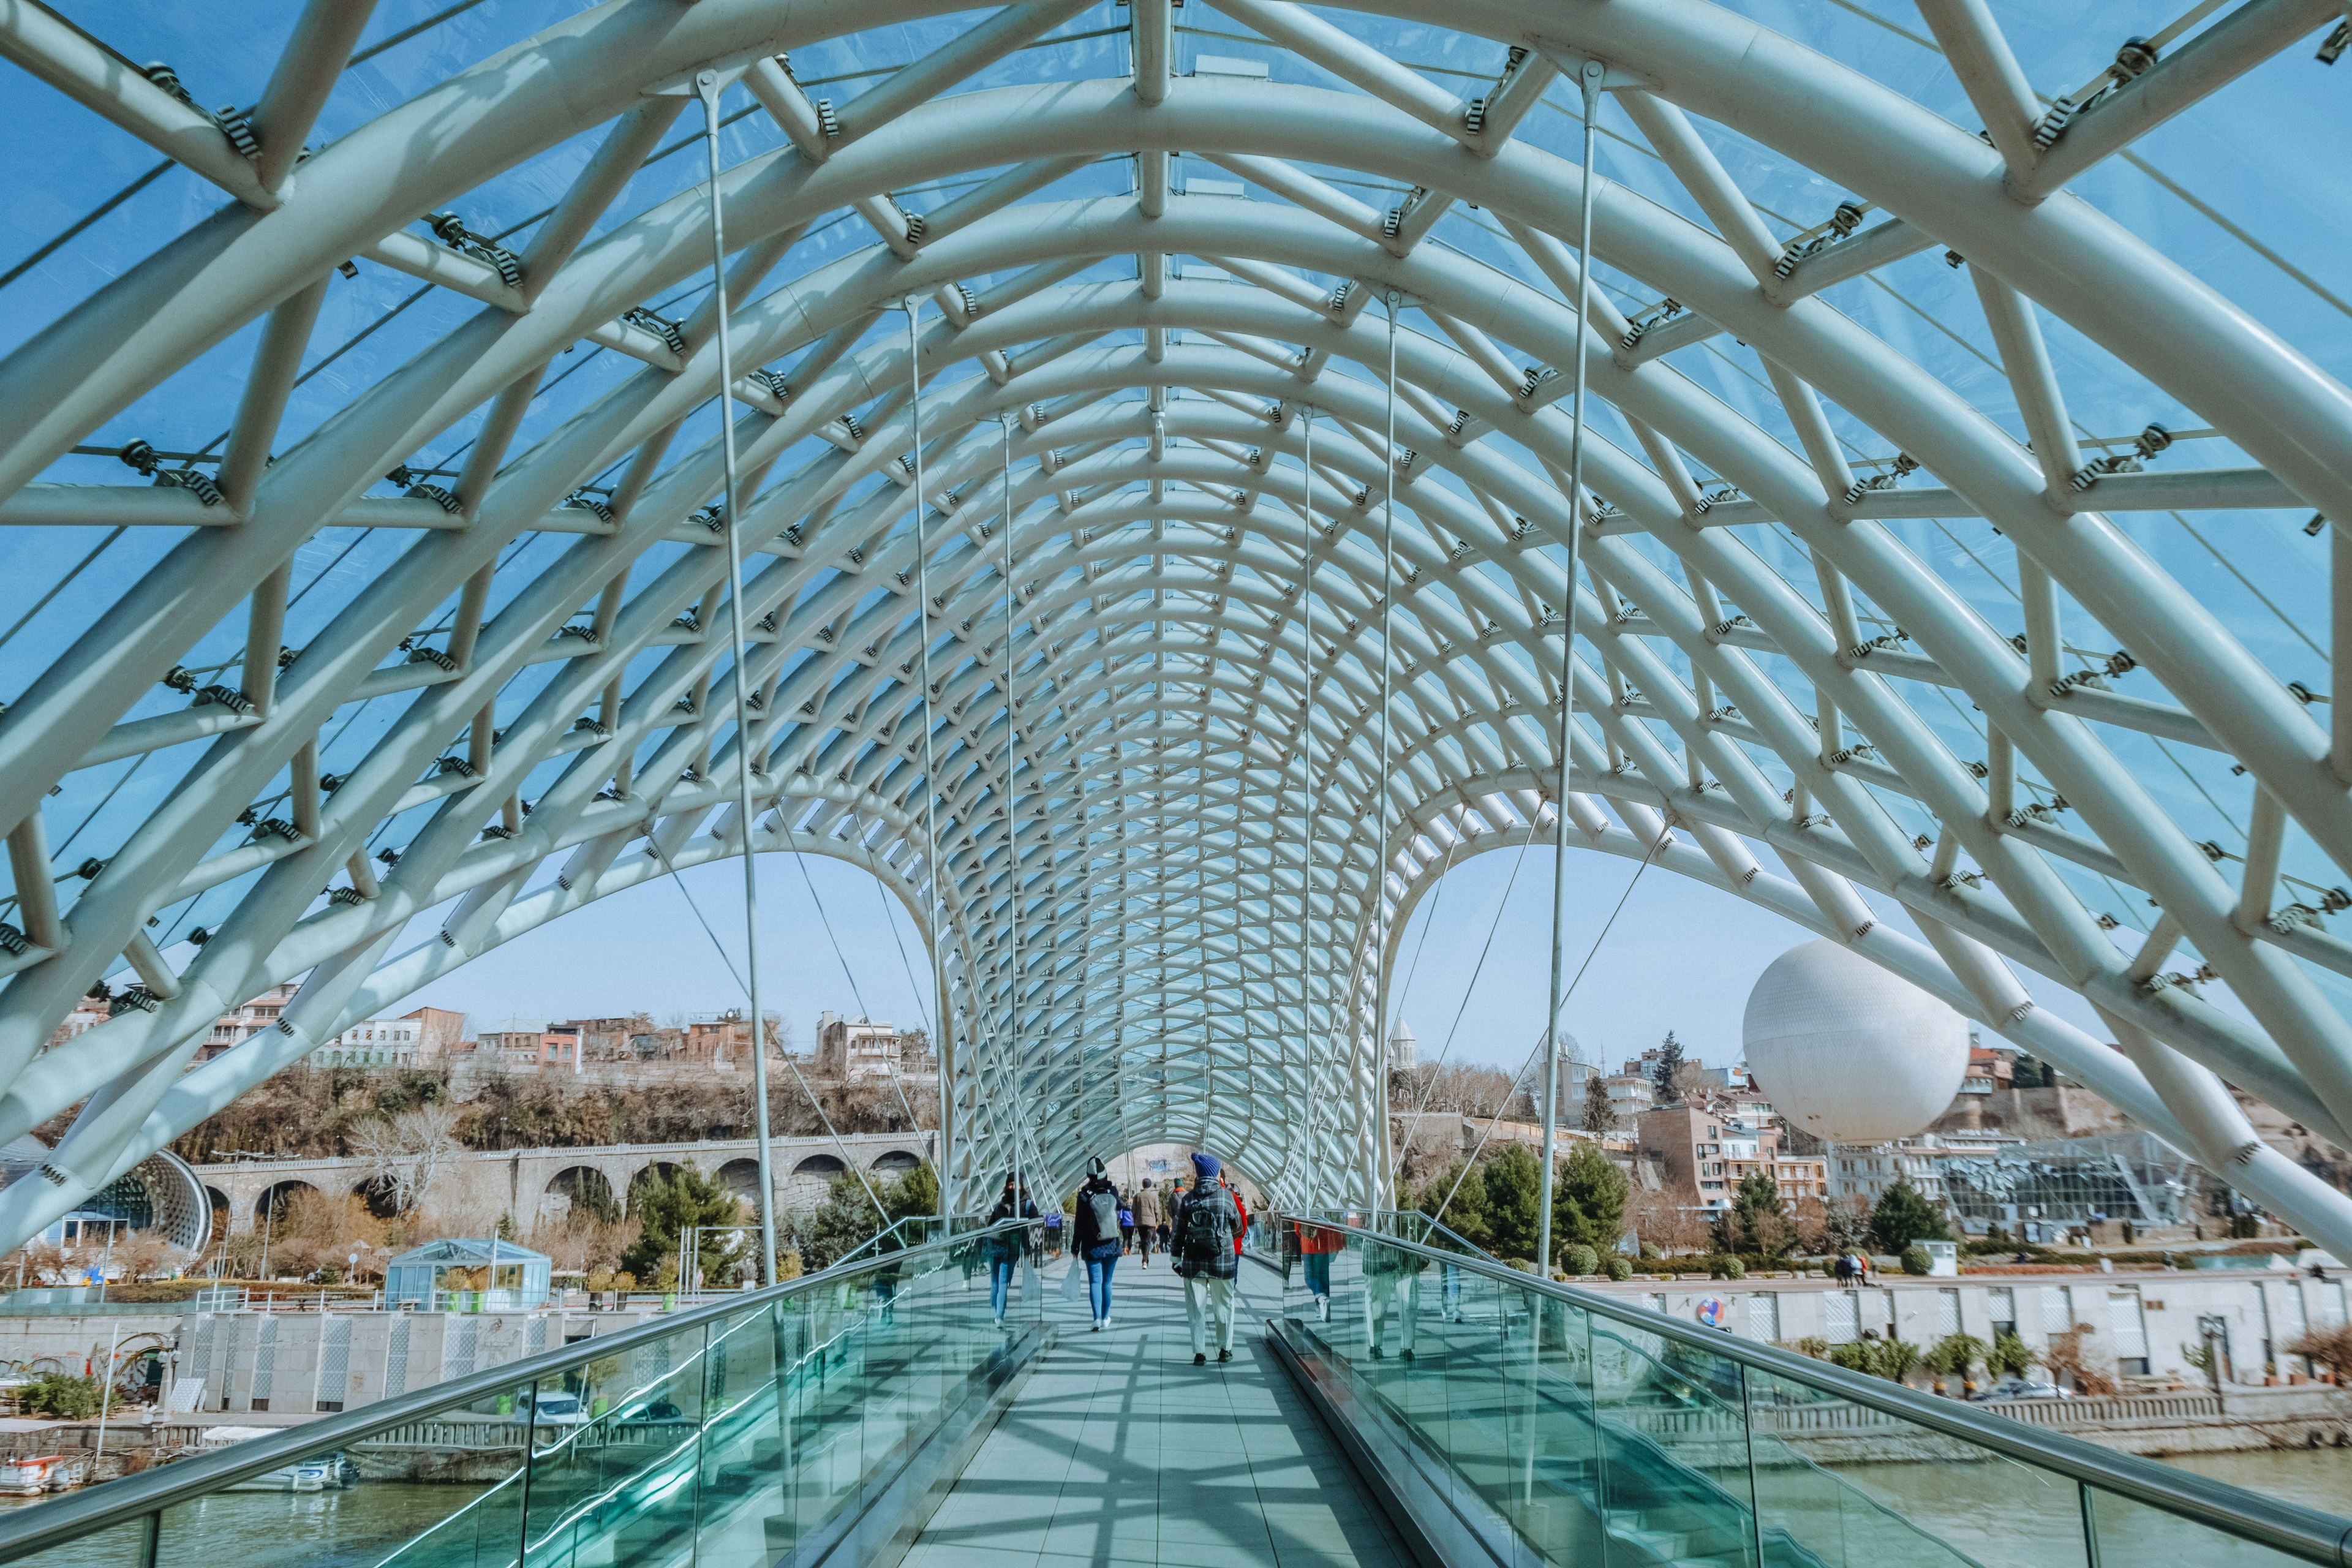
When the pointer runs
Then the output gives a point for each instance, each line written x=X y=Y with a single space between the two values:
x=1564 y=1422
x=744 y=1432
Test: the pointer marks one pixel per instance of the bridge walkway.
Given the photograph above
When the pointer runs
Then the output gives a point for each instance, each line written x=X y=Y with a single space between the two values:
x=1119 y=1451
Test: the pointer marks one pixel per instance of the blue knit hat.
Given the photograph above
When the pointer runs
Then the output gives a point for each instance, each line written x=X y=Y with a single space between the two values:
x=1205 y=1167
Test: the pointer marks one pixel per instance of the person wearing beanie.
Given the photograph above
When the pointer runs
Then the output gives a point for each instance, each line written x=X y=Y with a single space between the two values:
x=1208 y=1223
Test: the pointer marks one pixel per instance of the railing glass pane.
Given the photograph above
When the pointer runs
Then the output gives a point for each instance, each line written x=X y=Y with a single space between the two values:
x=2130 y=1533
x=1674 y=1474
x=732 y=1438
x=1547 y=1416
x=1848 y=1484
x=439 y=1492
x=123 y=1545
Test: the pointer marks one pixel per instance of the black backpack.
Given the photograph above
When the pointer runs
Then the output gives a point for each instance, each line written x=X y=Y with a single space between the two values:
x=1104 y=1206
x=1210 y=1225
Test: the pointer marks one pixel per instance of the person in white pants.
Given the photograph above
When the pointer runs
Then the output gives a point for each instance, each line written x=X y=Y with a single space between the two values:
x=1206 y=1247
x=1381 y=1290
x=1219 y=1301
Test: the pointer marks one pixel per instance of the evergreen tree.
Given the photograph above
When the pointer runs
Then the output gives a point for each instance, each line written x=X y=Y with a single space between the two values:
x=1663 y=1070
x=1600 y=1111
x=1514 y=1192
x=1466 y=1214
x=1589 y=1200
x=1756 y=1221
x=916 y=1192
x=1845 y=1227
x=1905 y=1215
x=686 y=1199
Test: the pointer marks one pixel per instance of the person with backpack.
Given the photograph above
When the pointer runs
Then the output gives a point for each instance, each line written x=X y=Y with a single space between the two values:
x=1208 y=1226
x=1098 y=1243
x=1148 y=1225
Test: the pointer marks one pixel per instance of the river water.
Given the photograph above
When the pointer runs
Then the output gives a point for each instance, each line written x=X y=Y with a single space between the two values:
x=2315 y=1477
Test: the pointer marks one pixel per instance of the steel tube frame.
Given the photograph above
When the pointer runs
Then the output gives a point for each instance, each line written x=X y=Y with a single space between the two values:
x=1463 y=631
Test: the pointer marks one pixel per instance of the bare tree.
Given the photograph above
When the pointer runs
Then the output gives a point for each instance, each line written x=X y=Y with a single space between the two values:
x=404 y=1153
x=1462 y=1089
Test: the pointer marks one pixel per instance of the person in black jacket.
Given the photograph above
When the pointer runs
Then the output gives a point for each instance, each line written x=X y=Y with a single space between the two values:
x=1098 y=1243
x=1013 y=1203
x=1208 y=1225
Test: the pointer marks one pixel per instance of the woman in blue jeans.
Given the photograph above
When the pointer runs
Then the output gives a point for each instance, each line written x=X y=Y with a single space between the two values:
x=1013 y=1203
x=1098 y=1241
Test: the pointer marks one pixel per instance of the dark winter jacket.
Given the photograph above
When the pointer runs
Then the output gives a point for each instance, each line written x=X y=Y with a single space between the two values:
x=1007 y=1245
x=1192 y=1210
x=1093 y=1242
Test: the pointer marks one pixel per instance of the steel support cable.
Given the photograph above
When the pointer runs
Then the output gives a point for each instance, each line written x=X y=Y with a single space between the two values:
x=653 y=842
x=1012 y=820
x=1344 y=997
x=1421 y=942
x=1665 y=836
x=1557 y=998
x=938 y=896
x=707 y=89
x=857 y=996
x=1306 y=534
x=1376 y=1145
x=1501 y=904
x=916 y=986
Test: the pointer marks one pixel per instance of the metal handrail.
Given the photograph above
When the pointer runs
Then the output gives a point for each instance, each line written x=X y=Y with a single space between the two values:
x=2303 y=1532
x=30 y=1530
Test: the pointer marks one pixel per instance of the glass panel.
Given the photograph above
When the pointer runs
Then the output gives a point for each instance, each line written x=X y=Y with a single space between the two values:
x=1846 y=1484
x=1558 y=1511
x=613 y=1481
x=743 y=1444
x=120 y=1545
x=441 y=1491
x=1674 y=1439
x=2133 y=1533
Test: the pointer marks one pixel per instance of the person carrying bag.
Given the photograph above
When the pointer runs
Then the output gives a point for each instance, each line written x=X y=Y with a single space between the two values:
x=1007 y=1247
x=1098 y=1243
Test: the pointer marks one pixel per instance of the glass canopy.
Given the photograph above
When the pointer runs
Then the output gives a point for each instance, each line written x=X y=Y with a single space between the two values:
x=1965 y=429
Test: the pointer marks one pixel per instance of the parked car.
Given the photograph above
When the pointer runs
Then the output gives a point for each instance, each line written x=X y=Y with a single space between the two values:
x=556 y=1409
x=2010 y=1388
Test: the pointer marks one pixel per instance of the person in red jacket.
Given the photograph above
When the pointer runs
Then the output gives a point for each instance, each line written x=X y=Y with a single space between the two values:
x=1317 y=1243
x=1241 y=1205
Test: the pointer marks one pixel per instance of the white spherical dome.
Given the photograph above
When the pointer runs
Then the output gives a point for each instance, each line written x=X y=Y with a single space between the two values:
x=1849 y=1052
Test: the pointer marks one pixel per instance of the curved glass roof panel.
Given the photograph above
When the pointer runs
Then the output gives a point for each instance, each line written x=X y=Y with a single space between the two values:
x=1952 y=518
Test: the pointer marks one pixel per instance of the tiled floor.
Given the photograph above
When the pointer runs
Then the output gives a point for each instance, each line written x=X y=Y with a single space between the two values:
x=1118 y=1450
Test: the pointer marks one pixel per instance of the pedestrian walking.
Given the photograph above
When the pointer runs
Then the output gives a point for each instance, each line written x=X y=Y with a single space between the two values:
x=1317 y=1243
x=1392 y=1279
x=1126 y=1227
x=1098 y=1241
x=1144 y=1205
x=1208 y=1226
x=1007 y=1248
